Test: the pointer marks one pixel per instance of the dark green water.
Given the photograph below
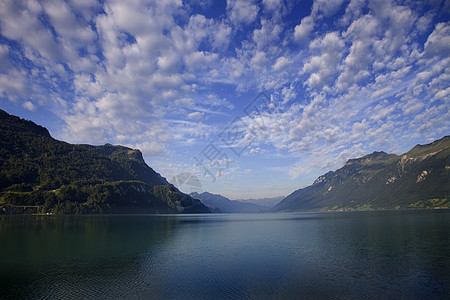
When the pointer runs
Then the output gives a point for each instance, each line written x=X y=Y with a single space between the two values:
x=388 y=254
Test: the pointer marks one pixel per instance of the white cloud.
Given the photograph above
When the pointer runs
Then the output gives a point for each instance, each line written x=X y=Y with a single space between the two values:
x=281 y=63
x=169 y=62
x=424 y=22
x=412 y=107
x=199 y=60
x=326 y=7
x=195 y=115
x=366 y=27
x=397 y=22
x=353 y=11
x=65 y=22
x=5 y=63
x=86 y=85
x=272 y=5
x=442 y=94
x=438 y=42
x=19 y=21
x=259 y=60
x=222 y=35
x=323 y=66
x=215 y=31
x=380 y=92
x=13 y=85
x=268 y=35
x=242 y=11
x=304 y=29
x=28 y=105
x=355 y=66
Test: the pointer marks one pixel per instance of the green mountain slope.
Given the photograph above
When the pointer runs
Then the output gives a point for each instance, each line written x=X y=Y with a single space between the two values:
x=418 y=178
x=58 y=177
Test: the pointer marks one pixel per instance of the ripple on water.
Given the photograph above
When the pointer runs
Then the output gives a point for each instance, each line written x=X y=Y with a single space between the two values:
x=363 y=255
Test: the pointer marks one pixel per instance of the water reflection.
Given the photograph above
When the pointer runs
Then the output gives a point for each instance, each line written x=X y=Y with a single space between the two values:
x=380 y=254
x=47 y=256
x=313 y=255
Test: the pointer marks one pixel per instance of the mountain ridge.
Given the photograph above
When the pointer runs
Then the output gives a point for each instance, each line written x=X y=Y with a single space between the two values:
x=419 y=178
x=219 y=203
x=266 y=202
x=51 y=176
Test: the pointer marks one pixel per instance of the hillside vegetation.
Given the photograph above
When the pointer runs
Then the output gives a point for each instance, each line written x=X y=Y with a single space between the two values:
x=44 y=175
x=419 y=178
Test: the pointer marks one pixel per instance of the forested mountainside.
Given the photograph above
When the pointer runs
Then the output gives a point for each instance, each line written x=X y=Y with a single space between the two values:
x=44 y=175
x=419 y=178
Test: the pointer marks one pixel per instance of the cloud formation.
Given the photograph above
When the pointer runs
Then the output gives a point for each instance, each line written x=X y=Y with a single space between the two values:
x=349 y=76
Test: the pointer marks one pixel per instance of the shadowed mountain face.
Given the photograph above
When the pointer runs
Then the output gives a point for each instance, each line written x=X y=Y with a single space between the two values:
x=219 y=203
x=419 y=178
x=58 y=177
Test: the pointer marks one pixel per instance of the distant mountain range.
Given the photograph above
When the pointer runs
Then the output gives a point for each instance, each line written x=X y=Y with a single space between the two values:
x=219 y=203
x=266 y=202
x=43 y=175
x=419 y=178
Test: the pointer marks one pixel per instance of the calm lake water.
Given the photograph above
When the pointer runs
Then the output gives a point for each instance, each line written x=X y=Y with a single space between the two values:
x=387 y=254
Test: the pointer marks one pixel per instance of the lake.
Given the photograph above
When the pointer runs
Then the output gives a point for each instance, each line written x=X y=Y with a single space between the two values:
x=373 y=255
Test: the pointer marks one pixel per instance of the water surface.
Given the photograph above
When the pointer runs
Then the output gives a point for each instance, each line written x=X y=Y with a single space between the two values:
x=386 y=254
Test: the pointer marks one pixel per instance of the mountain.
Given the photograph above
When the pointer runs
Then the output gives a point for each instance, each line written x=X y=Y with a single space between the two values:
x=266 y=202
x=219 y=203
x=419 y=178
x=44 y=175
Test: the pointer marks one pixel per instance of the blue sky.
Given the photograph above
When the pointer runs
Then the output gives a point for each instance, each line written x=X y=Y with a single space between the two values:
x=256 y=99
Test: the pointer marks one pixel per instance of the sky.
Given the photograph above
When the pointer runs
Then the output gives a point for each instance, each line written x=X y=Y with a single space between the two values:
x=251 y=99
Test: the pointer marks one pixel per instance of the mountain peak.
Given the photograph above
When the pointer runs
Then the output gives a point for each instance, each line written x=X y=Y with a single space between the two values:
x=419 y=151
x=117 y=151
x=417 y=179
x=57 y=177
x=372 y=158
x=17 y=124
